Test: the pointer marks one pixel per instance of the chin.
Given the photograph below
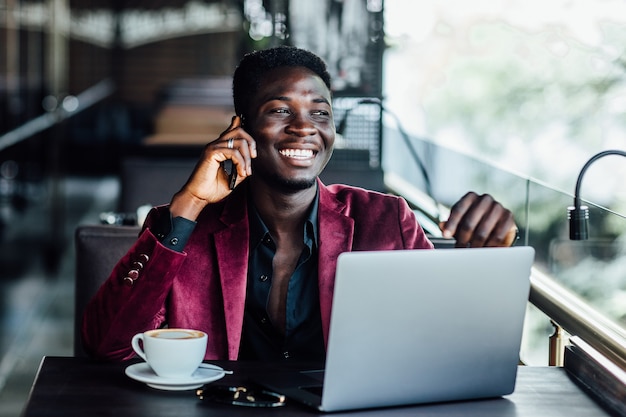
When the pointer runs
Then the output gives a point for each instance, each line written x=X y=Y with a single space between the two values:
x=293 y=184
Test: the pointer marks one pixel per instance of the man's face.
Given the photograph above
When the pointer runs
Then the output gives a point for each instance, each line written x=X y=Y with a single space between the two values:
x=292 y=123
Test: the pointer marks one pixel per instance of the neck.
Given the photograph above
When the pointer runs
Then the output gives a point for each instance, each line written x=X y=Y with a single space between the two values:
x=282 y=212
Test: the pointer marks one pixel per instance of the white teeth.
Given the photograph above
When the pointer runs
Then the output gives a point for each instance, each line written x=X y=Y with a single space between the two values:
x=297 y=153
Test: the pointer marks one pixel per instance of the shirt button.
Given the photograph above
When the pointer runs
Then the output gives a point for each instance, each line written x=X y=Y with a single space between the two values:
x=263 y=278
x=174 y=241
x=263 y=320
x=286 y=355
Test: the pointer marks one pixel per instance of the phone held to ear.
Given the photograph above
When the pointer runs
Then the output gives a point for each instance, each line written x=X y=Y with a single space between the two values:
x=231 y=172
x=229 y=167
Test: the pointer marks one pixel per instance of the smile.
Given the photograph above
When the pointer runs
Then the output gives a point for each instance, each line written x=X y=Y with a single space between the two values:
x=297 y=153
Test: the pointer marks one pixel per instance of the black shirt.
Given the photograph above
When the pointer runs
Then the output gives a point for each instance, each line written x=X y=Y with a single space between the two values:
x=303 y=339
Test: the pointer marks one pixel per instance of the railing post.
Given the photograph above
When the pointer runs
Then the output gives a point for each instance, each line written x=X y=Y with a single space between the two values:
x=557 y=346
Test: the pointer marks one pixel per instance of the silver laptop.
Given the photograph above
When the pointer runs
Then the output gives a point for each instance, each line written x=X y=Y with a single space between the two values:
x=419 y=326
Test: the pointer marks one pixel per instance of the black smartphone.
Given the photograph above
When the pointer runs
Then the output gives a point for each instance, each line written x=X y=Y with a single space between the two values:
x=229 y=167
x=231 y=171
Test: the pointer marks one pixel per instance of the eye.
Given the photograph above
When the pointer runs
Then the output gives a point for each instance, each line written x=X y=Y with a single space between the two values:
x=321 y=115
x=280 y=111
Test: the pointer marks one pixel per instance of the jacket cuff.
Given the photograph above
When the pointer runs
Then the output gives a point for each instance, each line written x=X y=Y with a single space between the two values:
x=173 y=233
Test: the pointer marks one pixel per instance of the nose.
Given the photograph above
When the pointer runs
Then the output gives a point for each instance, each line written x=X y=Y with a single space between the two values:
x=301 y=125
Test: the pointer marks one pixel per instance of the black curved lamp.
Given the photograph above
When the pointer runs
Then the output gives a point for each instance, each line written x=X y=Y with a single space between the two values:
x=577 y=214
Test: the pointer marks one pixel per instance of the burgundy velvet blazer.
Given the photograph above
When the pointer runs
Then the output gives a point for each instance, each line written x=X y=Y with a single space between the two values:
x=204 y=287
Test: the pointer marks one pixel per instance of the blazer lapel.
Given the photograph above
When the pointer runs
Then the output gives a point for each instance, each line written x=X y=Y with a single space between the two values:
x=336 y=232
x=231 y=245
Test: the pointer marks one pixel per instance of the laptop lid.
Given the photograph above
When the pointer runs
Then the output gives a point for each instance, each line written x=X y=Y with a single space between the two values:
x=421 y=326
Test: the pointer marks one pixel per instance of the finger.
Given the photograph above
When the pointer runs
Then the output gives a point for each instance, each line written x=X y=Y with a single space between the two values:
x=244 y=135
x=235 y=122
x=512 y=235
x=505 y=234
x=457 y=212
x=474 y=227
x=480 y=233
x=229 y=133
x=238 y=150
x=496 y=226
x=237 y=145
x=241 y=158
x=246 y=145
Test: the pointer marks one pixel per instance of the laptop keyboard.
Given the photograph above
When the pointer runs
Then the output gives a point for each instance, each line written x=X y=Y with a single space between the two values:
x=316 y=389
x=317 y=374
x=317 y=386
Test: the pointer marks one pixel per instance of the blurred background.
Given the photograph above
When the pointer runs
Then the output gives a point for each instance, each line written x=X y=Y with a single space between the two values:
x=105 y=105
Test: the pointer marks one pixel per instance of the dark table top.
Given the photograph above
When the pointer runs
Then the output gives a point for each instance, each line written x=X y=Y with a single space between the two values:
x=67 y=387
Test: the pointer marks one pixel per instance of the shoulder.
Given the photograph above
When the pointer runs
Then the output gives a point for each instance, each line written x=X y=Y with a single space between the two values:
x=359 y=203
x=360 y=197
x=380 y=221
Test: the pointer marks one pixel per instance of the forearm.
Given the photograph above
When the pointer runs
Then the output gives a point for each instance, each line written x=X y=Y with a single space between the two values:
x=121 y=309
x=186 y=205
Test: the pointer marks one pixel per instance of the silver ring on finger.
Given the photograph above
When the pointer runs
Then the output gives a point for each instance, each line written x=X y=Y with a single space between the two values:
x=231 y=143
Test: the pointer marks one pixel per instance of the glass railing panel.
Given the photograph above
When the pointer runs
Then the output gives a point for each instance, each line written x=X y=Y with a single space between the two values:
x=452 y=174
x=594 y=269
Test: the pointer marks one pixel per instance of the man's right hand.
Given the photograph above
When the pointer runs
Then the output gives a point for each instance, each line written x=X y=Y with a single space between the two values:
x=209 y=182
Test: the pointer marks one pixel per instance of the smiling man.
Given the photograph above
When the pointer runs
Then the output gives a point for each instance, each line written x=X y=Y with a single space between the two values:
x=254 y=267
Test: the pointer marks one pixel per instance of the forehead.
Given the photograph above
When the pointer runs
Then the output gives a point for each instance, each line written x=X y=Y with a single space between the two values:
x=285 y=80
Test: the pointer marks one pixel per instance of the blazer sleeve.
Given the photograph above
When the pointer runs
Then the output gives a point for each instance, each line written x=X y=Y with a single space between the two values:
x=412 y=232
x=120 y=309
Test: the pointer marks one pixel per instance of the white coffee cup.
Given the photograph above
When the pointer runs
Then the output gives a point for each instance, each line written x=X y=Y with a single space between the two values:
x=171 y=353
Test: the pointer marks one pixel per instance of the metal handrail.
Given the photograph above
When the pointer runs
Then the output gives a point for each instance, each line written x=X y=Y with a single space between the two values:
x=84 y=100
x=578 y=318
x=566 y=309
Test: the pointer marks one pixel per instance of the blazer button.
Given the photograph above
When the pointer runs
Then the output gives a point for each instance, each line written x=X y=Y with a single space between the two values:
x=133 y=274
x=137 y=265
x=128 y=281
x=143 y=258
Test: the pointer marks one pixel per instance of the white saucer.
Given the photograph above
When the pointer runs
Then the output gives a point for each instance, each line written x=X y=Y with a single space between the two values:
x=143 y=373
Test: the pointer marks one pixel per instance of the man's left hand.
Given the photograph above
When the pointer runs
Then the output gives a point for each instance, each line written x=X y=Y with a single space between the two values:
x=479 y=220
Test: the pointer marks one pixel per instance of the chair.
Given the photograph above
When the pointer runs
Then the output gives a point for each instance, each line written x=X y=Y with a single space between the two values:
x=98 y=248
x=352 y=167
x=152 y=180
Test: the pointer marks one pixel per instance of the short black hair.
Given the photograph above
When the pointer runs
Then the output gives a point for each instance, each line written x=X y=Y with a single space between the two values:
x=255 y=65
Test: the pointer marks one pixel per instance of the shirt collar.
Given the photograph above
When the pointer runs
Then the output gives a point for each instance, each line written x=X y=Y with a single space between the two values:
x=259 y=231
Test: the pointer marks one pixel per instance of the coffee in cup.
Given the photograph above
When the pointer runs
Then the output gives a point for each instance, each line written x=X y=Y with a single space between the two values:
x=171 y=353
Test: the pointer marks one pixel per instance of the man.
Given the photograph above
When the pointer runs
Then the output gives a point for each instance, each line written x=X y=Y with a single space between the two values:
x=254 y=267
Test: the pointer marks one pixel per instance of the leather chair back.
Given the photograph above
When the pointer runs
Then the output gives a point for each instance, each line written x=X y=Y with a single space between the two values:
x=152 y=180
x=98 y=248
